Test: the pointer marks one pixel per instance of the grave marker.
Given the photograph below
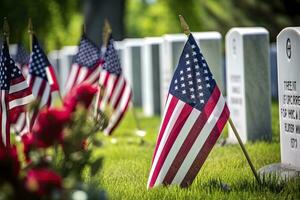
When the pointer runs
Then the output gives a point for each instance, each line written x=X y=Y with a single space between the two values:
x=288 y=59
x=248 y=83
x=150 y=75
x=132 y=67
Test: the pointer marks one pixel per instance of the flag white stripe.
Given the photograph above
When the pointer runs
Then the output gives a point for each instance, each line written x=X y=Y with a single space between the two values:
x=93 y=77
x=21 y=101
x=177 y=145
x=199 y=142
x=49 y=76
x=117 y=91
x=102 y=77
x=46 y=94
x=36 y=86
x=72 y=77
x=81 y=75
x=4 y=117
x=109 y=87
x=18 y=87
x=20 y=122
x=119 y=110
x=175 y=114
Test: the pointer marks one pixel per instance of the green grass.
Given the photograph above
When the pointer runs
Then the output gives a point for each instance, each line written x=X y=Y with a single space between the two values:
x=224 y=175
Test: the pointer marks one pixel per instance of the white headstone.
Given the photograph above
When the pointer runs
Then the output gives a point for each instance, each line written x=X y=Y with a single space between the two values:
x=211 y=46
x=150 y=75
x=288 y=59
x=67 y=53
x=248 y=83
x=132 y=67
x=119 y=45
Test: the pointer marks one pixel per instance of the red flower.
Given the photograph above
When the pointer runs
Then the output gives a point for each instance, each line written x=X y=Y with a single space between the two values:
x=48 y=127
x=9 y=164
x=82 y=94
x=28 y=145
x=42 y=181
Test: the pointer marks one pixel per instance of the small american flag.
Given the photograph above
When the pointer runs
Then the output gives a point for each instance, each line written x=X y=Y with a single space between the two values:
x=15 y=92
x=86 y=64
x=194 y=117
x=22 y=59
x=115 y=91
x=42 y=78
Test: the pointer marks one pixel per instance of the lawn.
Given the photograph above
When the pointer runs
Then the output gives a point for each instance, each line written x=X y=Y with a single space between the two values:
x=224 y=175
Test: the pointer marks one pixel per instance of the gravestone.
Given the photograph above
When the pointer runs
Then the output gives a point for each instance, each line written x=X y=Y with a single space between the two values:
x=288 y=48
x=132 y=68
x=288 y=60
x=67 y=53
x=211 y=46
x=274 y=76
x=119 y=45
x=150 y=75
x=248 y=83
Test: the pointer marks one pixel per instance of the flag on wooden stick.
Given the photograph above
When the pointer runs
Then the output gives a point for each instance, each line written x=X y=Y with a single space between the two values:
x=115 y=91
x=194 y=117
x=15 y=92
x=42 y=78
x=86 y=64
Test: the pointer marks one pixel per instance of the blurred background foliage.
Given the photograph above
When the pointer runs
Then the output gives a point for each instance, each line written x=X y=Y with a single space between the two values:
x=58 y=22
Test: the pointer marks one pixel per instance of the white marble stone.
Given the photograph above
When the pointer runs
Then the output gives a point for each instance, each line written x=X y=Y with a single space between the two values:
x=67 y=53
x=288 y=59
x=150 y=75
x=132 y=67
x=211 y=46
x=248 y=83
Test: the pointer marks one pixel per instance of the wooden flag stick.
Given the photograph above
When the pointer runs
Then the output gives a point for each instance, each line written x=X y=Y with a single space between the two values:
x=244 y=150
x=106 y=32
x=184 y=25
x=187 y=31
x=6 y=30
x=30 y=32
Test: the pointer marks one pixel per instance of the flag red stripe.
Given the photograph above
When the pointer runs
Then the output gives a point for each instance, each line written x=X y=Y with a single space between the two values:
x=120 y=116
x=170 y=108
x=192 y=135
x=120 y=95
x=114 y=87
x=205 y=150
x=180 y=121
x=20 y=94
x=17 y=80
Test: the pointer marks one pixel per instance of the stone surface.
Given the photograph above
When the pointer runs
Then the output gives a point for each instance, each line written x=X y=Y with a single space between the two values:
x=282 y=171
x=132 y=68
x=150 y=75
x=171 y=49
x=288 y=59
x=274 y=75
x=248 y=83
x=66 y=54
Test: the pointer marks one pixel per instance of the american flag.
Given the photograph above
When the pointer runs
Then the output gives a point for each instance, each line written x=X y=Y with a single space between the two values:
x=41 y=78
x=115 y=91
x=86 y=64
x=22 y=59
x=194 y=117
x=15 y=92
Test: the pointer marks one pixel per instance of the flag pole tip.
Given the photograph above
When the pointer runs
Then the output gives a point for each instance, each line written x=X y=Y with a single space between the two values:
x=184 y=25
x=30 y=26
x=5 y=27
x=106 y=32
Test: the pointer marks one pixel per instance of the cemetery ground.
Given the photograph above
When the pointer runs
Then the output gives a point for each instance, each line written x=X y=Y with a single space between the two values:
x=224 y=175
